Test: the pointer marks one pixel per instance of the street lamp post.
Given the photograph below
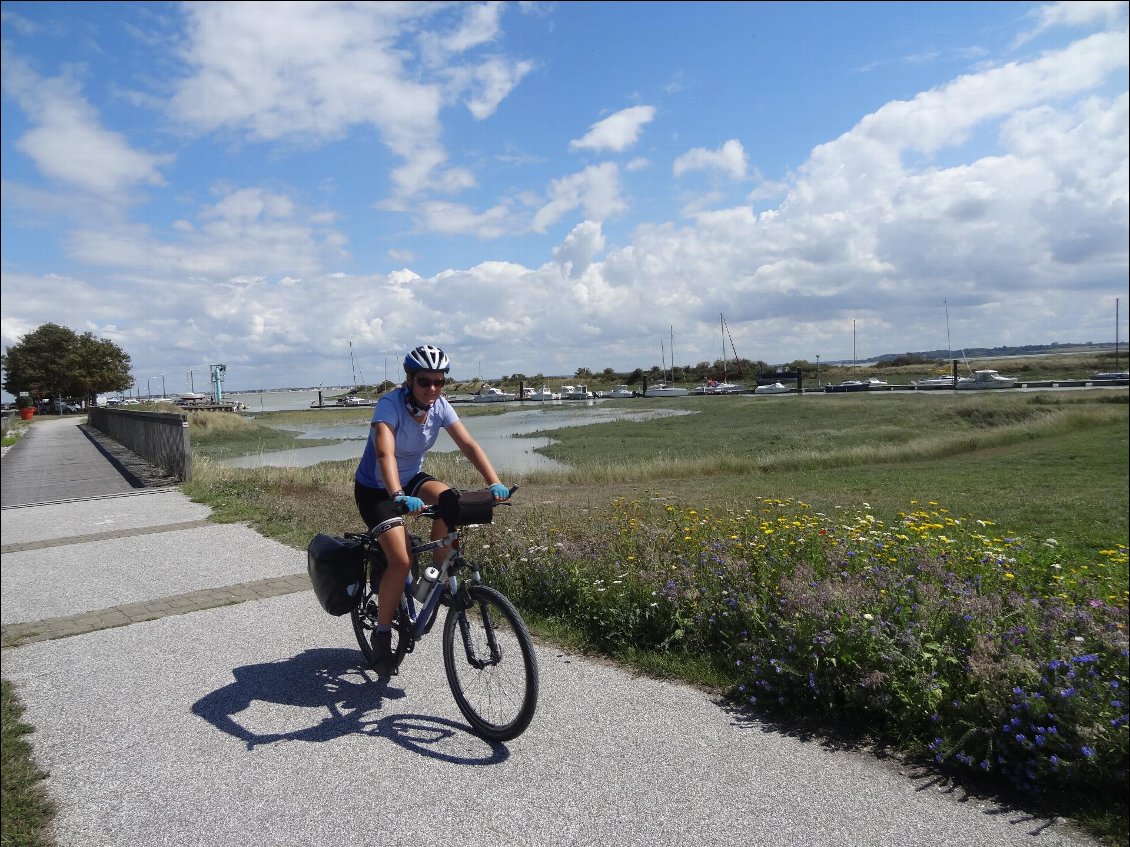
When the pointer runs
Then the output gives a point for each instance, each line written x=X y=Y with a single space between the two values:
x=163 y=394
x=149 y=388
x=817 y=370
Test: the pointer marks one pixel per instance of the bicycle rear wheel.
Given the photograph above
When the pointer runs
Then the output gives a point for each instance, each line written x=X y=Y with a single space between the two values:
x=364 y=617
x=490 y=662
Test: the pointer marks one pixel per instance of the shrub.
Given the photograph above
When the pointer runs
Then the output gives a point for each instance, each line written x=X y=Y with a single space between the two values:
x=977 y=650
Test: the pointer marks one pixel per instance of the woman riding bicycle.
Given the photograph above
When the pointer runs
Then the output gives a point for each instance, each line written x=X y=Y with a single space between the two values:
x=390 y=480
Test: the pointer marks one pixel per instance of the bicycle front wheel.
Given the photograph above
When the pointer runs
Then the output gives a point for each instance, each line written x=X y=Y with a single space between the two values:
x=490 y=663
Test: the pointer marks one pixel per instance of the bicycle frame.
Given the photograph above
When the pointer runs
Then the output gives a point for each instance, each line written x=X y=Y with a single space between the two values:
x=446 y=585
x=422 y=617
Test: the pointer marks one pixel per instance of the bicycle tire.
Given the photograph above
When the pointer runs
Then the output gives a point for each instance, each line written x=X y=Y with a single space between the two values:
x=364 y=618
x=496 y=690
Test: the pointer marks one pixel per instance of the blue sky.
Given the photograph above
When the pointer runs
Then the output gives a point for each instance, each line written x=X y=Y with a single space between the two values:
x=539 y=187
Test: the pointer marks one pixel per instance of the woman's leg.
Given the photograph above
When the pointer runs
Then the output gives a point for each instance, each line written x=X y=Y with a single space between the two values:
x=377 y=510
x=394 y=543
x=429 y=493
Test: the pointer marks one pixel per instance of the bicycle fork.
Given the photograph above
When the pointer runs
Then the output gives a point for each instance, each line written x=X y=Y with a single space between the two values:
x=468 y=643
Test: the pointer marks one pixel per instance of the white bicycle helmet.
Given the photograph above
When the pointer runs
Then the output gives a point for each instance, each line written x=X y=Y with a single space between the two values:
x=426 y=358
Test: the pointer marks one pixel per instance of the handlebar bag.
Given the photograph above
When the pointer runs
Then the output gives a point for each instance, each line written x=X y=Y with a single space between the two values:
x=337 y=569
x=464 y=508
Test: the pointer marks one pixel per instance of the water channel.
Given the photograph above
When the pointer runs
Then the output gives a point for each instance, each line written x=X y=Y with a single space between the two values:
x=496 y=433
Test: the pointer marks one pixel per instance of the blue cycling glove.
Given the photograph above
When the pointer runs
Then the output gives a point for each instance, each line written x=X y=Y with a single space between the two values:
x=409 y=504
x=500 y=491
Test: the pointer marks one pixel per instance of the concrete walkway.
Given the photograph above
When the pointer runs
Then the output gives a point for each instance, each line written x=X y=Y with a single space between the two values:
x=66 y=487
x=186 y=689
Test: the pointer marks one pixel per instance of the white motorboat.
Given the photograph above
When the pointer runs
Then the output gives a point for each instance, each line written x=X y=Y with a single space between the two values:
x=576 y=392
x=772 y=388
x=542 y=393
x=713 y=387
x=935 y=382
x=490 y=394
x=621 y=392
x=986 y=379
x=662 y=389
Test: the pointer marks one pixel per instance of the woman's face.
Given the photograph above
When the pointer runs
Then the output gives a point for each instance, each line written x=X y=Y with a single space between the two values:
x=427 y=386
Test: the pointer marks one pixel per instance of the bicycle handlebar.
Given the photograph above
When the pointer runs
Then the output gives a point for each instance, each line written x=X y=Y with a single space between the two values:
x=431 y=510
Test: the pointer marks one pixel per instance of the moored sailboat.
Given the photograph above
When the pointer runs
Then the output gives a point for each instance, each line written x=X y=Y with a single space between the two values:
x=664 y=388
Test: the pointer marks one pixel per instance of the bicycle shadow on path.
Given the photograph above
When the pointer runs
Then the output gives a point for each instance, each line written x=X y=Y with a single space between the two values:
x=351 y=696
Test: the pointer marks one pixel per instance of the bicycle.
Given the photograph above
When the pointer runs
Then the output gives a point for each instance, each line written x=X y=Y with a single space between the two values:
x=492 y=668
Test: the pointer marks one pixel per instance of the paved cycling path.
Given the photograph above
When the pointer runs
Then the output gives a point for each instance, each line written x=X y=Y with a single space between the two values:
x=186 y=689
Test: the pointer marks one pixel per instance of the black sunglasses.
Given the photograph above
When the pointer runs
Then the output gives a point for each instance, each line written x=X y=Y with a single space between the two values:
x=424 y=382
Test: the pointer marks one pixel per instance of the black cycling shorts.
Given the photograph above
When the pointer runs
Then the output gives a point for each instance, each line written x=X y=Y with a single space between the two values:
x=375 y=504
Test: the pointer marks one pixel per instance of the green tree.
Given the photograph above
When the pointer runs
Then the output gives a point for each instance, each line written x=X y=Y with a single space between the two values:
x=54 y=361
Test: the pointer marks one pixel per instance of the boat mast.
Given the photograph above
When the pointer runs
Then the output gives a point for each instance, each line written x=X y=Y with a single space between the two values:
x=733 y=347
x=949 y=346
x=1116 y=334
x=854 y=365
x=722 y=321
x=672 y=352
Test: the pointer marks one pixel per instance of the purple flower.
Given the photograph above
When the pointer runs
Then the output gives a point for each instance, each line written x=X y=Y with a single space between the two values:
x=1087 y=751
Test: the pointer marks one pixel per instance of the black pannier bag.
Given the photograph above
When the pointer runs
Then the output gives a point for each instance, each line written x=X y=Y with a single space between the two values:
x=337 y=571
x=463 y=508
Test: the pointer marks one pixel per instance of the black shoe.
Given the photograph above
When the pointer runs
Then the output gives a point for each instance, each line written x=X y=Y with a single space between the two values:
x=384 y=662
